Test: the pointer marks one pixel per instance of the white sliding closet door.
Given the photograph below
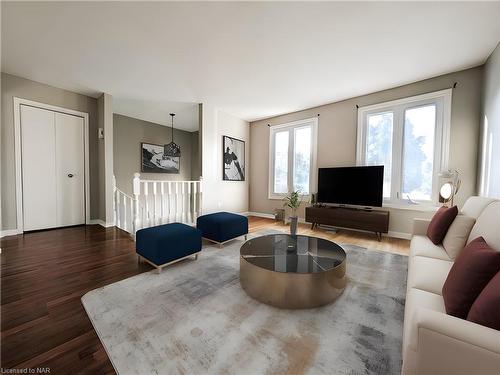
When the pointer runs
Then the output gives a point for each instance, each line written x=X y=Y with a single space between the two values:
x=53 y=168
x=39 y=168
x=70 y=169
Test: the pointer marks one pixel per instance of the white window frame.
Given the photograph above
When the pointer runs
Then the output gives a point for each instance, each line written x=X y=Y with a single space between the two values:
x=291 y=127
x=442 y=100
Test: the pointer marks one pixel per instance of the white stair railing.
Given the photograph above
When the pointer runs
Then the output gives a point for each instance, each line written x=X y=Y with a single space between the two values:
x=162 y=202
x=157 y=202
x=124 y=208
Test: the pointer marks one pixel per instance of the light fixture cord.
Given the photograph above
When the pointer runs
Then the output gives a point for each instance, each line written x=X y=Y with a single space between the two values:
x=172 y=128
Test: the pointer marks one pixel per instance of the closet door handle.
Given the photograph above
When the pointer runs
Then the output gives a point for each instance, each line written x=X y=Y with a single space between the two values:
x=70 y=175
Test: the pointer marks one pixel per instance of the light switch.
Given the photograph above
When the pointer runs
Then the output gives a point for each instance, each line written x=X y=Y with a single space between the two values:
x=100 y=133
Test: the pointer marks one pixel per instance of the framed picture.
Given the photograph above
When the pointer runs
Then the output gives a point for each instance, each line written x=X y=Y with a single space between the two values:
x=153 y=160
x=233 y=159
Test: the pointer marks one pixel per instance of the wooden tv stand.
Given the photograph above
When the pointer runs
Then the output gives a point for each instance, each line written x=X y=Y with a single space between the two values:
x=351 y=218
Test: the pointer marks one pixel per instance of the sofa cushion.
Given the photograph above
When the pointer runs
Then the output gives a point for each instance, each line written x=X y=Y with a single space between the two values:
x=428 y=274
x=423 y=246
x=415 y=299
x=488 y=226
x=473 y=269
x=440 y=223
x=457 y=235
x=486 y=308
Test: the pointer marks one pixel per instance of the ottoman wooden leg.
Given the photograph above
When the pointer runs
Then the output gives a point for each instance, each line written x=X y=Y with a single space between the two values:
x=195 y=256
x=246 y=237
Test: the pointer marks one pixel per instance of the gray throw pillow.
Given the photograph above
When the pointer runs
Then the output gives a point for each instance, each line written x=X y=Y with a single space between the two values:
x=457 y=235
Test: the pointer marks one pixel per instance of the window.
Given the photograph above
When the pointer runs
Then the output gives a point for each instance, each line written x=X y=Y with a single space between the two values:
x=292 y=151
x=410 y=138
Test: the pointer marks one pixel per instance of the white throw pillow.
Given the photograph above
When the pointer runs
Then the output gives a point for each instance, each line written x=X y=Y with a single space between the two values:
x=457 y=235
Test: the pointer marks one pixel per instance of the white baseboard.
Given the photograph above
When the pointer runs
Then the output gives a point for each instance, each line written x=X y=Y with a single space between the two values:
x=9 y=232
x=101 y=223
x=260 y=214
x=404 y=236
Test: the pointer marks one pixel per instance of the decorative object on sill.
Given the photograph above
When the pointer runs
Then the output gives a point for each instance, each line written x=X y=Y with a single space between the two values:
x=293 y=201
x=154 y=160
x=314 y=198
x=171 y=150
x=233 y=159
x=449 y=188
x=279 y=215
x=410 y=201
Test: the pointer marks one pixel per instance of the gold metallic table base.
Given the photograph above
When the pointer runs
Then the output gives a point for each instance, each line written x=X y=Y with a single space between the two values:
x=290 y=290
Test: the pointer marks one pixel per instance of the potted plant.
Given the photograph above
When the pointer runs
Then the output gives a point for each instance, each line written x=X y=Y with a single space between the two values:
x=293 y=201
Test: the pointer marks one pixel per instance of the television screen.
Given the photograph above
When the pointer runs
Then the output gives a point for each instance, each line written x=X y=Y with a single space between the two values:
x=361 y=186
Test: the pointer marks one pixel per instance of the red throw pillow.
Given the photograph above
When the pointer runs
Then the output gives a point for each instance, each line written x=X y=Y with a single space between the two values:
x=473 y=269
x=485 y=309
x=440 y=223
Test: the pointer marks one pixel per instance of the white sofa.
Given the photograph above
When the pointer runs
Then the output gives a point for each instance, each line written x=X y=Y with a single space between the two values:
x=434 y=342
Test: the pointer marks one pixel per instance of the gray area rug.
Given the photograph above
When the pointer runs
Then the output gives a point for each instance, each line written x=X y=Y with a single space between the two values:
x=194 y=318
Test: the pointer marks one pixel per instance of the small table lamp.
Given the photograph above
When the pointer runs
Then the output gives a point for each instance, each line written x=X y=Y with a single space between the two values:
x=449 y=189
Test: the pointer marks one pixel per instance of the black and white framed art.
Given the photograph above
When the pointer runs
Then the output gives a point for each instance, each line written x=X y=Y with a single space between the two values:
x=233 y=159
x=154 y=161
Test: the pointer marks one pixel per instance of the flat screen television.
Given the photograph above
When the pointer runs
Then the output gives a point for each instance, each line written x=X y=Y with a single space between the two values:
x=360 y=186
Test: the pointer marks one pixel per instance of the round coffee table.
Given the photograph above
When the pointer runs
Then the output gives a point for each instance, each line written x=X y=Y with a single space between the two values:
x=292 y=272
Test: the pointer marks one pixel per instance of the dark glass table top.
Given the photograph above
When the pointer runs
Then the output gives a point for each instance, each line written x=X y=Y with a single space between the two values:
x=298 y=254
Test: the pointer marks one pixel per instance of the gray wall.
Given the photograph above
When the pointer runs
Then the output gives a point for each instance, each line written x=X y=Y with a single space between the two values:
x=101 y=157
x=13 y=86
x=105 y=156
x=337 y=138
x=129 y=133
x=489 y=161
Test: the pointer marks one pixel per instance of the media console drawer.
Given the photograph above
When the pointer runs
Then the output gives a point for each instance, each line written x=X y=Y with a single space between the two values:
x=353 y=218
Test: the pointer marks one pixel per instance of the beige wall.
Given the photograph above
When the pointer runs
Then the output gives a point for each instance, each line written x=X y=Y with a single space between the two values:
x=337 y=138
x=489 y=155
x=128 y=135
x=13 y=86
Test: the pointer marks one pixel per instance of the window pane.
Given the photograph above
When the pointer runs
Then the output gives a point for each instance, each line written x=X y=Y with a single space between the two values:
x=418 y=152
x=379 y=145
x=281 y=162
x=302 y=160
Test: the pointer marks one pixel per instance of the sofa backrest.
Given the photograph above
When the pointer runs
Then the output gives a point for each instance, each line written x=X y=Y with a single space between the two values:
x=488 y=225
x=475 y=205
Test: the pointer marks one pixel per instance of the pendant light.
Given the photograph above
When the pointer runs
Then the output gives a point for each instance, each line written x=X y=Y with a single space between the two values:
x=171 y=149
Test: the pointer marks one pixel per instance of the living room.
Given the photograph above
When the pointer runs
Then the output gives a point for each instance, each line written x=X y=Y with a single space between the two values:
x=323 y=194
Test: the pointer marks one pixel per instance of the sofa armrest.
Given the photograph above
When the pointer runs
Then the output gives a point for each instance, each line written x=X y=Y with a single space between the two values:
x=420 y=226
x=449 y=345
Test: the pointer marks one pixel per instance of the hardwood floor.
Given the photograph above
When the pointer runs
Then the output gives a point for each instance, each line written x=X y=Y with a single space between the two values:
x=368 y=240
x=44 y=275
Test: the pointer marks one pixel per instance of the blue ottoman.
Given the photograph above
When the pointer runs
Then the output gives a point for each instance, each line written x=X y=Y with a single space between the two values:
x=166 y=244
x=222 y=226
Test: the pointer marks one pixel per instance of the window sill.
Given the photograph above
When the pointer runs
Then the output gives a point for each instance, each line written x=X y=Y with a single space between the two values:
x=412 y=207
x=275 y=198
x=305 y=198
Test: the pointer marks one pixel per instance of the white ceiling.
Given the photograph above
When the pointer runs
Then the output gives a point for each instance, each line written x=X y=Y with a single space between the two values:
x=253 y=60
x=186 y=114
